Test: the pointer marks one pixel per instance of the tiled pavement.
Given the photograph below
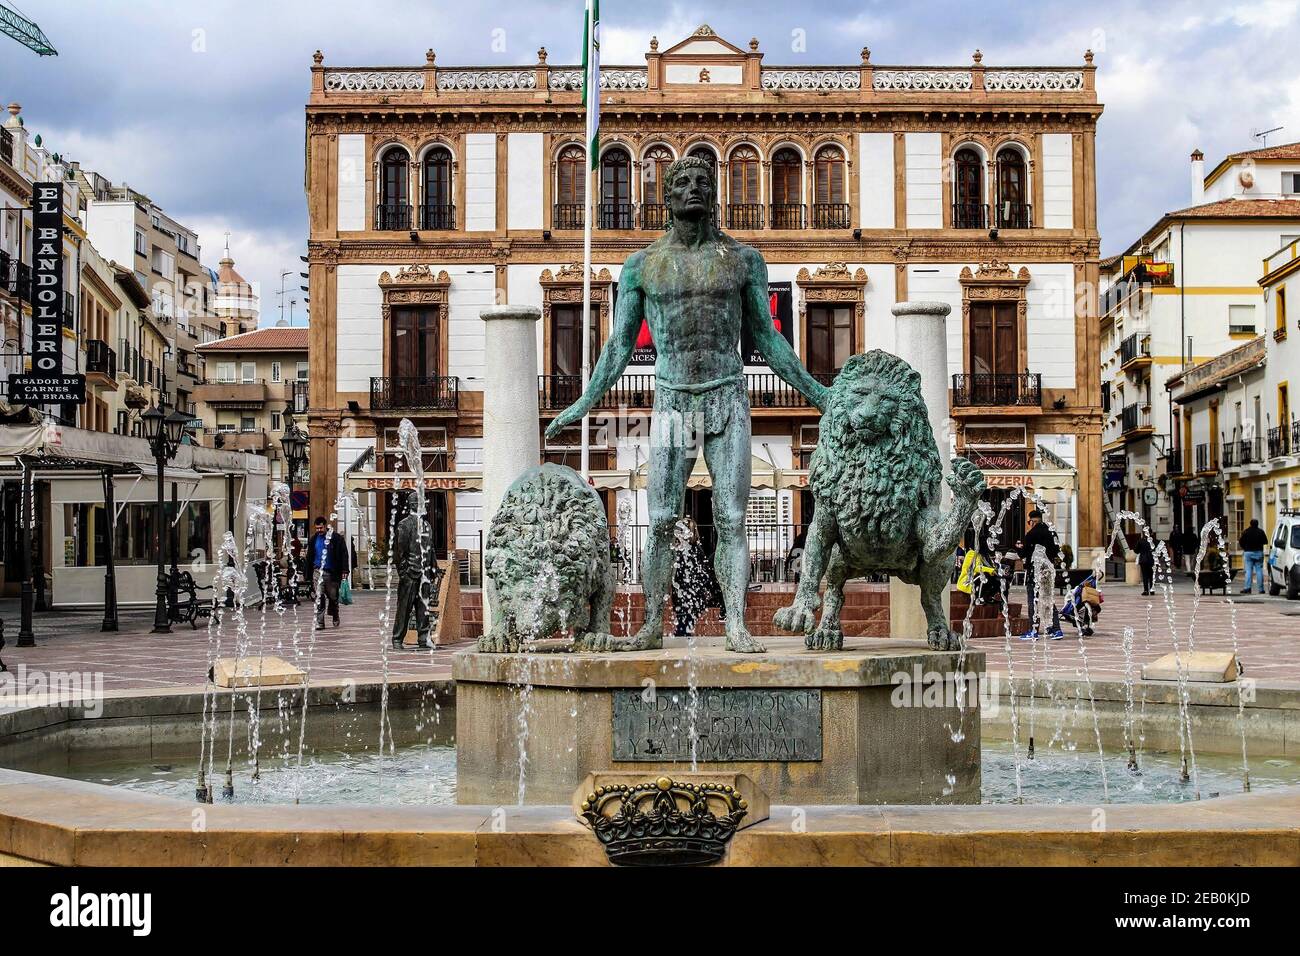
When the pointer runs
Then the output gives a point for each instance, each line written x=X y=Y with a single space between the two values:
x=133 y=658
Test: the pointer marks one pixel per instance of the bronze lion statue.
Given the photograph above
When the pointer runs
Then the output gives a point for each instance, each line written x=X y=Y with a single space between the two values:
x=547 y=557
x=875 y=479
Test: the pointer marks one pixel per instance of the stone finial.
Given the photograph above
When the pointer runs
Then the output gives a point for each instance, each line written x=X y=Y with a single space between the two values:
x=14 y=109
x=318 y=57
x=430 y=57
x=541 y=54
x=753 y=44
x=978 y=56
x=866 y=54
x=654 y=44
x=1197 y=156
x=1087 y=56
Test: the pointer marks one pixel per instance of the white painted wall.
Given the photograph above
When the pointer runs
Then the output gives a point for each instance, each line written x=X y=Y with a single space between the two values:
x=1049 y=316
x=876 y=180
x=352 y=181
x=111 y=228
x=524 y=172
x=480 y=182
x=359 y=330
x=1058 y=181
x=469 y=504
x=924 y=162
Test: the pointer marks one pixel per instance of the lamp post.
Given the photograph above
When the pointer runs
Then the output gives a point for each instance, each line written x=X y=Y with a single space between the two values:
x=164 y=435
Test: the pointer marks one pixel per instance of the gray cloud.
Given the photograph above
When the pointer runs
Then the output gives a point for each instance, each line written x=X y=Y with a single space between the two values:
x=200 y=105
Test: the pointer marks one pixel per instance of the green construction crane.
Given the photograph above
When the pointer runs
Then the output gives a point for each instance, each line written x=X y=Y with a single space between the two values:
x=25 y=32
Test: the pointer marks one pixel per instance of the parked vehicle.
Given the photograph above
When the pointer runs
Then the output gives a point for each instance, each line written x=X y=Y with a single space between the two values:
x=1283 y=563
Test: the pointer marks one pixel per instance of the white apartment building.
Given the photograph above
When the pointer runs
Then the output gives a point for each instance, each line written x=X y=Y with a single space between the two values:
x=1182 y=294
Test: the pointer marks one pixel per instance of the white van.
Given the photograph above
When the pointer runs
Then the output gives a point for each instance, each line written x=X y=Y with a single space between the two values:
x=1283 y=561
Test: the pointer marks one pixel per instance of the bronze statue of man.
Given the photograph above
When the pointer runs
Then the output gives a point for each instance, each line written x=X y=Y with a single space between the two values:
x=697 y=288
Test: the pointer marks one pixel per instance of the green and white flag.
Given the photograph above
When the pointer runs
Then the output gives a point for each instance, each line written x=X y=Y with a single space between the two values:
x=591 y=78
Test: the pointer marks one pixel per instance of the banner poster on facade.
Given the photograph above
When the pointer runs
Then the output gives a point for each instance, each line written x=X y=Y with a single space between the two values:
x=46 y=383
x=780 y=306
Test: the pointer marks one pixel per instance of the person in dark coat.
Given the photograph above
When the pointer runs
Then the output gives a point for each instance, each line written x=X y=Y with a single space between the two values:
x=1146 y=560
x=1253 y=543
x=1038 y=533
x=329 y=565
x=417 y=570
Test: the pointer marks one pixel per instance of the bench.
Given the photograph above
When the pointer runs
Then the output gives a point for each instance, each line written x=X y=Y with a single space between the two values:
x=189 y=607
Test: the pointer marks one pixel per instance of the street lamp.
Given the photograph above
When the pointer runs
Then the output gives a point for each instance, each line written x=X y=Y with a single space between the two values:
x=294 y=443
x=163 y=433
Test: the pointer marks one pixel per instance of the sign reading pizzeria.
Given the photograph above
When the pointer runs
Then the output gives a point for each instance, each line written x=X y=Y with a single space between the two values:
x=46 y=384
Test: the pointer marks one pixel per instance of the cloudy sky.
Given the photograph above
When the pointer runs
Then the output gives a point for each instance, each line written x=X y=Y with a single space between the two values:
x=200 y=104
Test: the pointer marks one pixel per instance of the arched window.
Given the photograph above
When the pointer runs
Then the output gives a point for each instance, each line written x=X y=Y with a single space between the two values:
x=438 y=209
x=787 y=190
x=744 y=202
x=830 y=200
x=654 y=198
x=1014 y=211
x=615 y=189
x=570 y=187
x=394 y=210
x=968 y=190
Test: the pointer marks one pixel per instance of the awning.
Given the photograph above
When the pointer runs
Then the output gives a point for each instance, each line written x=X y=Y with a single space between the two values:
x=1039 y=480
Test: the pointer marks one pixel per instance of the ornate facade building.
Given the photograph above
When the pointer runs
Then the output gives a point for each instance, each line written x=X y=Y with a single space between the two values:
x=435 y=191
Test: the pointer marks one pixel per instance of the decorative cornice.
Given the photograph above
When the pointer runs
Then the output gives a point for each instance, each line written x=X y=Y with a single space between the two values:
x=416 y=274
x=994 y=271
x=572 y=273
x=834 y=272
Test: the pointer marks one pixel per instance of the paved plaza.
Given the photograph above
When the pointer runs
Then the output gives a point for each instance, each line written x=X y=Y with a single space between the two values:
x=1268 y=635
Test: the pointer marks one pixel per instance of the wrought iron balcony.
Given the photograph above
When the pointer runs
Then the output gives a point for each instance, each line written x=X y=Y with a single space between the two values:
x=298 y=398
x=100 y=359
x=15 y=277
x=557 y=392
x=787 y=215
x=615 y=215
x=568 y=215
x=654 y=215
x=831 y=215
x=7 y=146
x=393 y=216
x=1015 y=215
x=769 y=390
x=389 y=393
x=1207 y=457
x=1279 y=441
x=1137 y=347
x=437 y=216
x=745 y=215
x=997 y=389
x=970 y=215
x=1243 y=451
x=1134 y=417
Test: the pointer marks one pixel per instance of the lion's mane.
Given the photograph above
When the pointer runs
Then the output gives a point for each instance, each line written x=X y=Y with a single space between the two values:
x=547 y=540
x=875 y=489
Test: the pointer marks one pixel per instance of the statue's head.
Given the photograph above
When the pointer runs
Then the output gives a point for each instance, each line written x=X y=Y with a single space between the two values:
x=689 y=188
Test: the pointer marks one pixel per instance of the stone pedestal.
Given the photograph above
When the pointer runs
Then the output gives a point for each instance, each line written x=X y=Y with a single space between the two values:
x=921 y=340
x=510 y=415
x=873 y=723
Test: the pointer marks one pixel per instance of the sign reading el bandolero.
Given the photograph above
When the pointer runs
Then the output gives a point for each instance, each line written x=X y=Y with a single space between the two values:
x=46 y=383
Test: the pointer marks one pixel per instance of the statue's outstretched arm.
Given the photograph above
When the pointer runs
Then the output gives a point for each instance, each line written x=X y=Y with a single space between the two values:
x=781 y=358
x=617 y=351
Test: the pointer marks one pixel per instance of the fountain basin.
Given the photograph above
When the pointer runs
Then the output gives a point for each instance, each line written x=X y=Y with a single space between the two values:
x=872 y=723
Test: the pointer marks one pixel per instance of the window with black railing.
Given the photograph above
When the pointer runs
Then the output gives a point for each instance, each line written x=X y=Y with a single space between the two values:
x=615 y=215
x=654 y=215
x=7 y=146
x=745 y=215
x=1279 y=441
x=831 y=215
x=568 y=215
x=1207 y=457
x=1015 y=215
x=69 y=311
x=393 y=216
x=557 y=392
x=100 y=358
x=787 y=215
x=996 y=389
x=1134 y=417
x=970 y=215
x=1136 y=346
x=388 y=392
x=437 y=216
x=298 y=402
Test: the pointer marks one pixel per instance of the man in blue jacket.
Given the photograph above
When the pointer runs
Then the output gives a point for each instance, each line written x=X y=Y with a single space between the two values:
x=329 y=566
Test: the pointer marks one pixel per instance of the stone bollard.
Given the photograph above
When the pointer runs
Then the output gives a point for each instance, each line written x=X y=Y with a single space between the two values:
x=921 y=337
x=510 y=414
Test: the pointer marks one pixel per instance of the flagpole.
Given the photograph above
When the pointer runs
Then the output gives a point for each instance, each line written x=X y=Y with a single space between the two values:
x=591 y=89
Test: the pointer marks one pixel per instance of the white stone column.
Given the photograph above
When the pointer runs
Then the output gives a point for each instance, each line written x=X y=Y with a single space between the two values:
x=510 y=414
x=921 y=340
